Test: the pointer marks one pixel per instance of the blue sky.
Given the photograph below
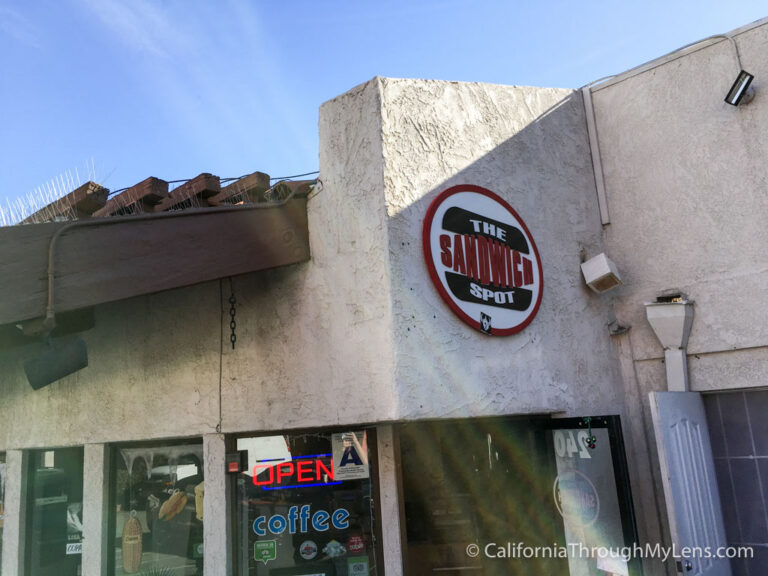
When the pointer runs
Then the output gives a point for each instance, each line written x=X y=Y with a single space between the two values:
x=139 y=88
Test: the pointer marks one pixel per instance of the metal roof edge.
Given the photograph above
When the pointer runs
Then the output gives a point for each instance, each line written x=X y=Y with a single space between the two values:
x=674 y=55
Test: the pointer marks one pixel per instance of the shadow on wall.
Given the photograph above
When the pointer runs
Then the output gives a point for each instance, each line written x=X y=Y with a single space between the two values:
x=530 y=147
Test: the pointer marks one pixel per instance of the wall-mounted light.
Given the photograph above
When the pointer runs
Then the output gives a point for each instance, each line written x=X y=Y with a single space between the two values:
x=60 y=359
x=600 y=273
x=740 y=91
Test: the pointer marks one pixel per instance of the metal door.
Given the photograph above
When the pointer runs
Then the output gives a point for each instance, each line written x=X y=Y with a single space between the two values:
x=690 y=487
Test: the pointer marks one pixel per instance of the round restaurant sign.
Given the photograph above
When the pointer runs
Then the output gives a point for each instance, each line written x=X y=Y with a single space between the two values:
x=483 y=260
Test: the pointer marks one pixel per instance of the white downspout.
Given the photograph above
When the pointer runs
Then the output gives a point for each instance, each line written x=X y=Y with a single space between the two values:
x=671 y=322
x=594 y=148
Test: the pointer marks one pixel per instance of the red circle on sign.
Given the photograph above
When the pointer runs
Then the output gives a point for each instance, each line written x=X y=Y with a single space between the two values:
x=436 y=204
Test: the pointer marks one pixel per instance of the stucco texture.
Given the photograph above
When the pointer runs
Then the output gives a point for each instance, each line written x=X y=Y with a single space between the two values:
x=315 y=347
x=685 y=180
x=359 y=334
x=528 y=145
x=153 y=372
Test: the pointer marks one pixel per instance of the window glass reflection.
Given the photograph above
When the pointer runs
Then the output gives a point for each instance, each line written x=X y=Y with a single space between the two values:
x=55 y=512
x=305 y=506
x=158 y=510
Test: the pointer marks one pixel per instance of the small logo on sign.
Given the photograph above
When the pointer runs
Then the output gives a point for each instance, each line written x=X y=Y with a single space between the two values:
x=265 y=551
x=576 y=498
x=485 y=322
x=308 y=549
x=355 y=544
x=357 y=566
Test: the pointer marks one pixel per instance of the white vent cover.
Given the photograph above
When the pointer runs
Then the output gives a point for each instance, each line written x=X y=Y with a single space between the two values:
x=600 y=273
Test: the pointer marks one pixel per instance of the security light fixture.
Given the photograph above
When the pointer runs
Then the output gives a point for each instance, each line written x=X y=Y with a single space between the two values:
x=60 y=359
x=600 y=273
x=740 y=89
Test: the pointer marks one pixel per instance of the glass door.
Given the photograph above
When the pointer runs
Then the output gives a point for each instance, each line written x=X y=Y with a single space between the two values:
x=478 y=498
x=54 y=512
x=592 y=496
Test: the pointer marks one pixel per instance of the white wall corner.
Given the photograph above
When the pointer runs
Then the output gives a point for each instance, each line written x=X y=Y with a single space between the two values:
x=217 y=539
x=390 y=507
x=16 y=462
x=95 y=509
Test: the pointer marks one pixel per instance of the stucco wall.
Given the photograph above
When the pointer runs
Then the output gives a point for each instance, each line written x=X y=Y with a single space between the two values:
x=685 y=184
x=153 y=372
x=529 y=145
x=685 y=180
x=359 y=333
x=316 y=341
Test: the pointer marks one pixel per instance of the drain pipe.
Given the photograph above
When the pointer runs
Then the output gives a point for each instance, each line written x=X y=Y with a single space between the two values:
x=671 y=318
x=594 y=148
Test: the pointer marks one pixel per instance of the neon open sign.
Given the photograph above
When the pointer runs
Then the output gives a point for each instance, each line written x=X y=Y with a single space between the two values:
x=298 y=472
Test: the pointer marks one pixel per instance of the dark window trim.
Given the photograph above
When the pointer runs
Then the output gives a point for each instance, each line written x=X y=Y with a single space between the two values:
x=2 y=498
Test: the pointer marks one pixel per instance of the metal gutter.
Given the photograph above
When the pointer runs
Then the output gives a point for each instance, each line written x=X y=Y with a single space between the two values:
x=607 y=81
x=679 y=53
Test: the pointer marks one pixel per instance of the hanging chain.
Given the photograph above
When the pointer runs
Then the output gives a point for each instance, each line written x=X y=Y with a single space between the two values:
x=232 y=312
x=591 y=440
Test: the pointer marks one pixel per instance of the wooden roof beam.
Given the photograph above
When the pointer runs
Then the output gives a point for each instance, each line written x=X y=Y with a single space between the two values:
x=193 y=193
x=143 y=197
x=81 y=203
x=249 y=189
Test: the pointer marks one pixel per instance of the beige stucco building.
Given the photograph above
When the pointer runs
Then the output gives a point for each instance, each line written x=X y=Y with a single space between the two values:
x=465 y=438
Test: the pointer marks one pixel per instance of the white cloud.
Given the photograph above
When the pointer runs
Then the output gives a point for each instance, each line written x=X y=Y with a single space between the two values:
x=140 y=24
x=16 y=26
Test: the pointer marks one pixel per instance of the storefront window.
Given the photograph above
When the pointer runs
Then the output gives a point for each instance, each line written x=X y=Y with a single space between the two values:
x=54 y=532
x=305 y=505
x=516 y=496
x=478 y=482
x=2 y=506
x=157 y=504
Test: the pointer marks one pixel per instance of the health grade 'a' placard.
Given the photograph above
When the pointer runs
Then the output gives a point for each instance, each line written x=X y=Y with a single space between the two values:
x=483 y=260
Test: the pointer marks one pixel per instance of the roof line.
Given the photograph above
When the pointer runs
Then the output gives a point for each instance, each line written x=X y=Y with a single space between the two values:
x=691 y=48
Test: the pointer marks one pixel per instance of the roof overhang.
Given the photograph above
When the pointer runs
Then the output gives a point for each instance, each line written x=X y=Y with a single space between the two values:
x=107 y=259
